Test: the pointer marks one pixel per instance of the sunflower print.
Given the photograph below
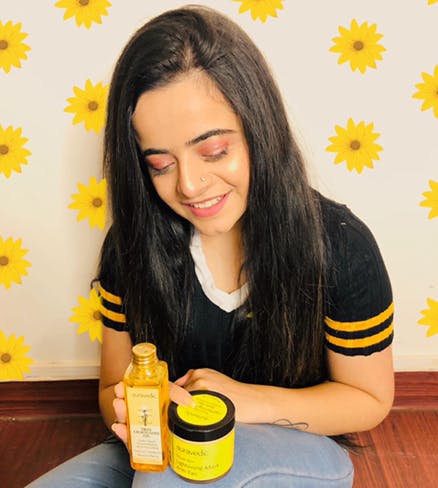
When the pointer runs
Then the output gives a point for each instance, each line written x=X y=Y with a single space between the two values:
x=355 y=145
x=428 y=91
x=12 y=152
x=85 y=12
x=260 y=9
x=91 y=202
x=13 y=361
x=430 y=317
x=431 y=200
x=88 y=316
x=358 y=45
x=12 y=49
x=89 y=105
x=12 y=264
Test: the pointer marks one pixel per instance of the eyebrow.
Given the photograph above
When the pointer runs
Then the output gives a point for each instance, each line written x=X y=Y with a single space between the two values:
x=192 y=142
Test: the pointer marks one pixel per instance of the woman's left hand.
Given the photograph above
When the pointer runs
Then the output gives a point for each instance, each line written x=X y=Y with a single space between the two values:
x=245 y=397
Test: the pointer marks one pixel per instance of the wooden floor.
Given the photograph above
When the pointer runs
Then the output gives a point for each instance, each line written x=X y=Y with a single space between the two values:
x=39 y=429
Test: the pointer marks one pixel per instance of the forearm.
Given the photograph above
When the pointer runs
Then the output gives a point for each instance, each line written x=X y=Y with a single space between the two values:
x=329 y=408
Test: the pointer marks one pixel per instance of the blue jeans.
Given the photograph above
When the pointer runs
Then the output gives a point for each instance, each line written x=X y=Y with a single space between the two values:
x=265 y=456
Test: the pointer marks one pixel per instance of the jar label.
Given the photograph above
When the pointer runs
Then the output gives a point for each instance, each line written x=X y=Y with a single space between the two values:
x=144 y=425
x=202 y=461
x=208 y=410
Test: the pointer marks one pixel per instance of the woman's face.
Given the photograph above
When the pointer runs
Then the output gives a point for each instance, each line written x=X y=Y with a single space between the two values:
x=196 y=153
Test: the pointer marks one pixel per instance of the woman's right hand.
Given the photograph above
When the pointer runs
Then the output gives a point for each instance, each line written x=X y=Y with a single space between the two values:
x=119 y=405
x=177 y=394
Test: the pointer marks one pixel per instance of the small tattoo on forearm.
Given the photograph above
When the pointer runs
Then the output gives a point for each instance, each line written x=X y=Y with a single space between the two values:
x=291 y=425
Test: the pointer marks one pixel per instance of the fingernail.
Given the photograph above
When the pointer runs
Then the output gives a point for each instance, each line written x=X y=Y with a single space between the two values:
x=188 y=402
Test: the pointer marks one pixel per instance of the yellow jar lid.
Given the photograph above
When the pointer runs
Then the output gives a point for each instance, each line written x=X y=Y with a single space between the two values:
x=211 y=418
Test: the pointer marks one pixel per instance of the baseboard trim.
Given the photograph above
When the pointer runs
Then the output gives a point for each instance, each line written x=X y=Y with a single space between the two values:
x=48 y=398
x=413 y=390
x=412 y=362
x=75 y=370
x=416 y=390
x=65 y=370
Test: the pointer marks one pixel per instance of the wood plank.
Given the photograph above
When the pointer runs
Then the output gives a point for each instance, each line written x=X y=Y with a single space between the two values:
x=30 y=448
x=413 y=390
x=416 y=390
x=402 y=452
x=48 y=398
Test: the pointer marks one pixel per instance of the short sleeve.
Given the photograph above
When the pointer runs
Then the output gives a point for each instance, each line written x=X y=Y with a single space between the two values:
x=359 y=309
x=109 y=290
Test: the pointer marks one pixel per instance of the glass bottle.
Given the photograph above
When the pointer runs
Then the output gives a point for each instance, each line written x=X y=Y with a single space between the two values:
x=147 y=399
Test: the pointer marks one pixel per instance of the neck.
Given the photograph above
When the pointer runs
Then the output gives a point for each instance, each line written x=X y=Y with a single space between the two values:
x=224 y=256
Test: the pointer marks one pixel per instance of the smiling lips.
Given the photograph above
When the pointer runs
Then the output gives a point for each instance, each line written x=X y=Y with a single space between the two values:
x=208 y=208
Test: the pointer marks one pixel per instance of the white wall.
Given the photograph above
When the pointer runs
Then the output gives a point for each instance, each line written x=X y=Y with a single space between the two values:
x=319 y=94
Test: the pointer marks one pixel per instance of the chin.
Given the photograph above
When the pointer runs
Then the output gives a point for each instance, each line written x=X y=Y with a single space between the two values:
x=214 y=229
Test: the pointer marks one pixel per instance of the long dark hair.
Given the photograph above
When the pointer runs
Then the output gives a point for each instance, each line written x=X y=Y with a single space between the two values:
x=283 y=342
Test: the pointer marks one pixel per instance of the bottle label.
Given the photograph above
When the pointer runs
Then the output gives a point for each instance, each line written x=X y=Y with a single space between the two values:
x=144 y=425
x=202 y=461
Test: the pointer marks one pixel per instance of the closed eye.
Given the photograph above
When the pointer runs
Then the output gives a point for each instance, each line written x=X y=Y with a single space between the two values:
x=159 y=164
x=215 y=156
x=157 y=172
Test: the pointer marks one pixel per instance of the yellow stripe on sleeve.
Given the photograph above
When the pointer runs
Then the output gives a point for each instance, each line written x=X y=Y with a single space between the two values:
x=361 y=343
x=114 y=316
x=109 y=297
x=361 y=324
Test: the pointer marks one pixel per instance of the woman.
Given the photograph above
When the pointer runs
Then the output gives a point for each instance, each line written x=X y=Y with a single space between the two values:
x=249 y=282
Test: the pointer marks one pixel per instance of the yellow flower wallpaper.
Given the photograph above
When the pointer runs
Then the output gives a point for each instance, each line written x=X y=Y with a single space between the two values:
x=12 y=152
x=358 y=46
x=360 y=86
x=260 y=9
x=431 y=200
x=91 y=202
x=12 y=265
x=12 y=49
x=88 y=316
x=430 y=317
x=13 y=361
x=355 y=145
x=89 y=105
x=85 y=12
x=428 y=91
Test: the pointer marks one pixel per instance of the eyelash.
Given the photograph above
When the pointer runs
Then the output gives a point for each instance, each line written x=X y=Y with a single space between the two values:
x=159 y=172
x=215 y=157
x=209 y=158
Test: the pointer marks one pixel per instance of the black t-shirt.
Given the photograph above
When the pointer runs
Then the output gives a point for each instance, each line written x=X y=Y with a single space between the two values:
x=358 y=311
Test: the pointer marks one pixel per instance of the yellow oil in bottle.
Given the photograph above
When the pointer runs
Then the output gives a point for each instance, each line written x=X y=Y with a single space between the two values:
x=147 y=399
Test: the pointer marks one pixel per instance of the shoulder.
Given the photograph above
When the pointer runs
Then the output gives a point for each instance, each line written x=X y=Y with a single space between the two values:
x=359 y=306
x=340 y=222
x=110 y=288
x=351 y=245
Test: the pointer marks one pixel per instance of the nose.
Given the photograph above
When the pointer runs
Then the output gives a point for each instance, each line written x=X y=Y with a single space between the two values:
x=191 y=182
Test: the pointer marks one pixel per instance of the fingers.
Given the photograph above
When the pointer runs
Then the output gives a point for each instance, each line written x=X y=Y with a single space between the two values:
x=196 y=379
x=121 y=431
x=119 y=390
x=179 y=395
x=183 y=380
x=119 y=405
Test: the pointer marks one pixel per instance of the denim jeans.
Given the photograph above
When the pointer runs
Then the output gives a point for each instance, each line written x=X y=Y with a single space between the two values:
x=265 y=456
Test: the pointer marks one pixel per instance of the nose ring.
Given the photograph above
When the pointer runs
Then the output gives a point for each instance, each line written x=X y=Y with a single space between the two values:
x=203 y=179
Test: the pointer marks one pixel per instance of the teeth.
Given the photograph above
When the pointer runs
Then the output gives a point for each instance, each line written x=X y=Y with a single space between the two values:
x=208 y=204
